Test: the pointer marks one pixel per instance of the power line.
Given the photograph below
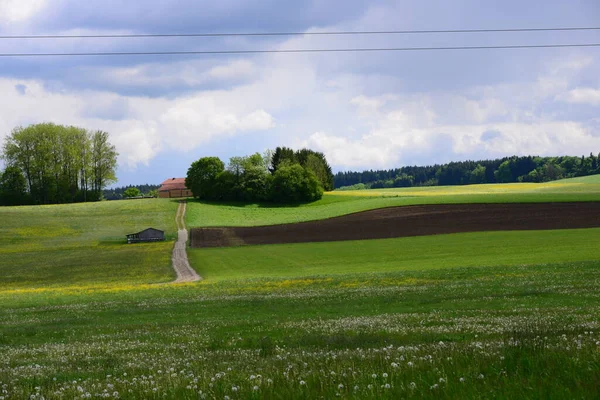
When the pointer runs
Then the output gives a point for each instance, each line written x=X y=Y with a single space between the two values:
x=391 y=32
x=217 y=52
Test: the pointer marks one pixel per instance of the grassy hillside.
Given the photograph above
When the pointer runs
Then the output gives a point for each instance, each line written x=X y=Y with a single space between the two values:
x=345 y=202
x=84 y=244
x=592 y=179
x=401 y=254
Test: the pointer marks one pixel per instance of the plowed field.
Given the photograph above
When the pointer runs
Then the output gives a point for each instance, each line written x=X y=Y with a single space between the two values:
x=409 y=221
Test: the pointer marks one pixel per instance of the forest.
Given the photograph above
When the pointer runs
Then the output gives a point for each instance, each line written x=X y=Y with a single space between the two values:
x=281 y=176
x=52 y=164
x=501 y=170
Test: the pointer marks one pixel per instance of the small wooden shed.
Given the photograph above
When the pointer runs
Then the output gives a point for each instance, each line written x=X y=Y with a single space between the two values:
x=147 y=235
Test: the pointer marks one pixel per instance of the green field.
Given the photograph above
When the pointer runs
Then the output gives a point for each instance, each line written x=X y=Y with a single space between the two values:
x=201 y=214
x=507 y=332
x=401 y=254
x=592 y=179
x=464 y=316
x=84 y=244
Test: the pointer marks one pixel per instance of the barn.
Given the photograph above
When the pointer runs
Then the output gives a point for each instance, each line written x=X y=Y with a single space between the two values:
x=173 y=188
x=147 y=235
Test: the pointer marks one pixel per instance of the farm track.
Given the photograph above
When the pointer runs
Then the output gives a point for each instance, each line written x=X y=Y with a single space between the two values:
x=409 y=221
x=185 y=273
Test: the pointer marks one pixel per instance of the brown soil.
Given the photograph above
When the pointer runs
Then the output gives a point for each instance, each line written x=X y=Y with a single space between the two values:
x=409 y=221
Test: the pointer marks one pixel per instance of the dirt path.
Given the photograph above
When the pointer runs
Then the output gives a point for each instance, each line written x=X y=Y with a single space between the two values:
x=182 y=267
x=409 y=221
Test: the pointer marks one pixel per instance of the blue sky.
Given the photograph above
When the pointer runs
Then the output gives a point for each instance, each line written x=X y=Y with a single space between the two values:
x=364 y=111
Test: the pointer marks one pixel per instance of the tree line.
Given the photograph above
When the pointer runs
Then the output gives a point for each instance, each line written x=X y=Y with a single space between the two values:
x=501 y=170
x=50 y=164
x=282 y=176
x=123 y=192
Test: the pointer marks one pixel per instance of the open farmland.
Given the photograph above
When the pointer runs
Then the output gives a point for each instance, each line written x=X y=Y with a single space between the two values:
x=333 y=204
x=404 y=221
x=511 y=314
x=489 y=249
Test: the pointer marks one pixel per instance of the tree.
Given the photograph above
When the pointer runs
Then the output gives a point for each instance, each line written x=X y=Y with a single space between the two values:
x=478 y=174
x=202 y=177
x=293 y=183
x=227 y=187
x=13 y=187
x=152 y=193
x=504 y=172
x=61 y=164
x=281 y=155
x=132 y=192
x=403 y=180
x=552 y=172
x=254 y=178
x=104 y=162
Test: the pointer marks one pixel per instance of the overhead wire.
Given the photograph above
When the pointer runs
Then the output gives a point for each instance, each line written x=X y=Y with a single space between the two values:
x=342 y=50
x=317 y=33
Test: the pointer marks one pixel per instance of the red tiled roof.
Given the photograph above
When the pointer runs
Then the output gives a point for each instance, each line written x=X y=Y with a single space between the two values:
x=173 y=184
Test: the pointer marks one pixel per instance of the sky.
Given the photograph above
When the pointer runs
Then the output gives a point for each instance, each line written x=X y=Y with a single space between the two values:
x=363 y=110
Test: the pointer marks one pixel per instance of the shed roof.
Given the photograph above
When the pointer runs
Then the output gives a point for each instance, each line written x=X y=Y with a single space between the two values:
x=145 y=230
x=173 y=184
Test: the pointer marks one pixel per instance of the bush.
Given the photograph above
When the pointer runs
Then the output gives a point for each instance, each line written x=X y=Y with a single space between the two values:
x=132 y=192
x=292 y=184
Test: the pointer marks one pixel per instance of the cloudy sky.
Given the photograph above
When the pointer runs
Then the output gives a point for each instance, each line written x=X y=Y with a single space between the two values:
x=363 y=110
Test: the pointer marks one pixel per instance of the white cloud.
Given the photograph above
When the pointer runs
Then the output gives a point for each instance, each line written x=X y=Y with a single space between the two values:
x=234 y=70
x=176 y=74
x=143 y=126
x=582 y=96
x=344 y=152
x=19 y=10
x=392 y=148
x=438 y=127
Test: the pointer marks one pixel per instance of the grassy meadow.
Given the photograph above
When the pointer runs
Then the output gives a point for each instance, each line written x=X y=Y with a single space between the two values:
x=84 y=244
x=466 y=316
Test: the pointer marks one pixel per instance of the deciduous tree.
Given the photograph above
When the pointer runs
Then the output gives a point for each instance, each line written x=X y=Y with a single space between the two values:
x=202 y=177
